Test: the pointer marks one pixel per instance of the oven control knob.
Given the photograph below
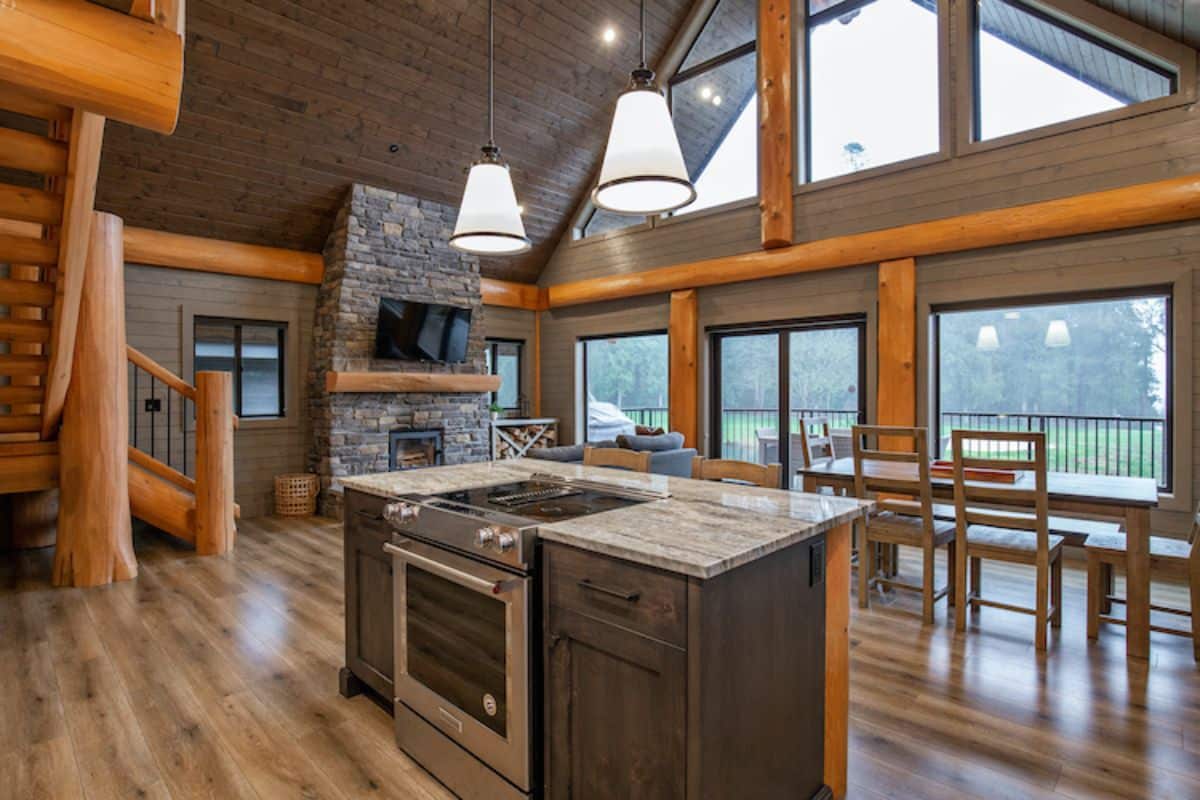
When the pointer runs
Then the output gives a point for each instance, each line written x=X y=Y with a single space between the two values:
x=505 y=541
x=399 y=513
x=485 y=536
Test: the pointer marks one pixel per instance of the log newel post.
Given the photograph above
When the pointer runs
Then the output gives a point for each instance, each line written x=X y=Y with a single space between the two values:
x=95 y=538
x=215 y=528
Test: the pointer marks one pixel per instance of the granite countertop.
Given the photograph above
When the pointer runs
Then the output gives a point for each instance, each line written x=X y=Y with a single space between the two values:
x=701 y=530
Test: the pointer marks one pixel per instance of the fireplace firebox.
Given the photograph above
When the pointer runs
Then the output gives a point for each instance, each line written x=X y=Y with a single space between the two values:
x=414 y=449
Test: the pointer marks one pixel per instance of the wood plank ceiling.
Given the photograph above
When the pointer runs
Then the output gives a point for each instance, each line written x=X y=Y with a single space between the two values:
x=286 y=102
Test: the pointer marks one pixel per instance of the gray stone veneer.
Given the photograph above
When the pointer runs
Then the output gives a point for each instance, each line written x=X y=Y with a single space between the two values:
x=386 y=244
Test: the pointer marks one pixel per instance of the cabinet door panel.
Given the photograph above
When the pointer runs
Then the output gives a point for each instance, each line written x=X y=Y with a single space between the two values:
x=369 y=631
x=615 y=713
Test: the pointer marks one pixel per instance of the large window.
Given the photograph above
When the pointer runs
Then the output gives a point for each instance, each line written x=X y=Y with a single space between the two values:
x=1034 y=70
x=504 y=359
x=714 y=105
x=871 y=84
x=254 y=352
x=781 y=376
x=624 y=384
x=1093 y=374
x=600 y=221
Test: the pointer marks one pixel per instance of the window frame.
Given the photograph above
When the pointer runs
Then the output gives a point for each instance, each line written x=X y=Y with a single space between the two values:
x=801 y=94
x=582 y=344
x=281 y=330
x=490 y=344
x=1164 y=291
x=1089 y=22
x=783 y=330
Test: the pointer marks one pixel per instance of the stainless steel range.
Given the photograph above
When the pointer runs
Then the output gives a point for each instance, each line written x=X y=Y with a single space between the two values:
x=467 y=626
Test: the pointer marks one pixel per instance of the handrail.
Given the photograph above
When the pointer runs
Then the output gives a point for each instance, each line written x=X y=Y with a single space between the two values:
x=143 y=361
x=164 y=471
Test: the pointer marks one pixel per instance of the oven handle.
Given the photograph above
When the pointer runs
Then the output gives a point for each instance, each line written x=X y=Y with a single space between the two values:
x=450 y=573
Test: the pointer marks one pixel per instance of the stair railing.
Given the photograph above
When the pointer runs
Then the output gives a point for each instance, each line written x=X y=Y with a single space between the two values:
x=211 y=478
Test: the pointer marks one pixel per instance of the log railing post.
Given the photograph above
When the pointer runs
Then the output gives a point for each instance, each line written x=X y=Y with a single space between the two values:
x=95 y=536
x=215 y=528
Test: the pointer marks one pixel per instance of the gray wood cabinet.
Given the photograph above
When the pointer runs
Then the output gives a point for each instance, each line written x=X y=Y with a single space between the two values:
x=368 y=576
x=664 y=686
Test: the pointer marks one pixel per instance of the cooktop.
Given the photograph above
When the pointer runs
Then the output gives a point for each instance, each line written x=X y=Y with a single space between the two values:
x=546 y=500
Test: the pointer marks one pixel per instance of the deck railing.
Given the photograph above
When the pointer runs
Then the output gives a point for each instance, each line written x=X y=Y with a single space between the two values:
x=1091 y=445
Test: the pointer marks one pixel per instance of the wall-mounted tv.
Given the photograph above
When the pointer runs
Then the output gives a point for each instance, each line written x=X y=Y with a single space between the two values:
x=421 y=331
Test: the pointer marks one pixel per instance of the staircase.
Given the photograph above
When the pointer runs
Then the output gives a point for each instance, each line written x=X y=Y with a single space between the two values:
x=160 y=491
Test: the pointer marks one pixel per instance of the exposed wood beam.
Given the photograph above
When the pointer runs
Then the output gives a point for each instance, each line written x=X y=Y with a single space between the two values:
x=83 y=55
x=32 y=152
x=409 y=382
x=537 y=363
x=683 y=337
x=24 y=330
x=19 y=229
x=28 y=473
x=164 y=471
x=776 y=122
x=74 y=243
x=31 y=105
x=26 y=293
x=161 y=249
x=1171 y=200
x=896 y=387
x=162 y=504
x=512 y=295
x=25 y=204
x=23 y=365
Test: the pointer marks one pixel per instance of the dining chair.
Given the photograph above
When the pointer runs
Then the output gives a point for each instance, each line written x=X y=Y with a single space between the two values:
x=1172 y=557
x=1014 y=527
x=619 y=457
x=727 y=469
x=813 y=441
x=899 y=480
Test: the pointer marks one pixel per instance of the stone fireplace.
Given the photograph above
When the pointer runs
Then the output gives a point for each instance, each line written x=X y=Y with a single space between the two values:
x=386 y=244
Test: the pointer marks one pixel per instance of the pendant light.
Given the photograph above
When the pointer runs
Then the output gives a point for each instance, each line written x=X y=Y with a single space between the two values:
x=988 y=338
x=643 y=171
x=489 y=219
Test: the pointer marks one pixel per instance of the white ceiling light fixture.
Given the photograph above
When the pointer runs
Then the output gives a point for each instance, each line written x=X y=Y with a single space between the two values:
x=609 y=35
x=643 y=171
x=988 y=339
x=1058 y=334
x=489 y=219
x=717 y=100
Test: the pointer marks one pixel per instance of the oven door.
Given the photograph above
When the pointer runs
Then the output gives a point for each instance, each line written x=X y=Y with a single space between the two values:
x=462 y=652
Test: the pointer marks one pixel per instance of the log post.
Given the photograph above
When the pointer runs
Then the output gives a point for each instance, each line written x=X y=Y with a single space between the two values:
x=32 y=520
x=214 y=463
x=95 y=537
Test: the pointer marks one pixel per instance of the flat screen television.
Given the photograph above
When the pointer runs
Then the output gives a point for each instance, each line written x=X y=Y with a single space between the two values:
x=421 y=331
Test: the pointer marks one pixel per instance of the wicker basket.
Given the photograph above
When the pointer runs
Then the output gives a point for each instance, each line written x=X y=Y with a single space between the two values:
x=296 y=494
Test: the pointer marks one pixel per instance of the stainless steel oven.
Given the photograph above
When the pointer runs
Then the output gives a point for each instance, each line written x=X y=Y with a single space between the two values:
x=462 y=663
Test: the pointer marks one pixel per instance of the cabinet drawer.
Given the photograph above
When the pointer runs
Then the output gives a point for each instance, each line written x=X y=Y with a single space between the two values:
x=365 y=511
x=642 y=599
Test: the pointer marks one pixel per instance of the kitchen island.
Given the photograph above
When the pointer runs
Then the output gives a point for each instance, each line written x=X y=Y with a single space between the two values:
x=691 y=644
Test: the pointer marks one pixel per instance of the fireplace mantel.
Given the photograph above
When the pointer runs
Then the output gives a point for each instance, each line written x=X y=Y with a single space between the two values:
x=409 y=382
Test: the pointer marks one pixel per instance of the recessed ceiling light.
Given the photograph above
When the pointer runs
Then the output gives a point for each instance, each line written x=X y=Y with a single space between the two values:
x=716 y=100
x=610 y=35
x=520 y=209
x=706 y=92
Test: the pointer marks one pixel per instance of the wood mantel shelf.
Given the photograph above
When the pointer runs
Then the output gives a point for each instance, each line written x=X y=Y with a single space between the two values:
x=409 y=382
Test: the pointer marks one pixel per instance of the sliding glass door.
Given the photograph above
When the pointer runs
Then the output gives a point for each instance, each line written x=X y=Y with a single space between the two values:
x=772 y=378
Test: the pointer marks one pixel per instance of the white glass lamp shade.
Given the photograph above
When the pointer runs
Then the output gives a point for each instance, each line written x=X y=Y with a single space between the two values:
x=643 y=171
x=988 y=338
x=1057 y=334
x=489 y=220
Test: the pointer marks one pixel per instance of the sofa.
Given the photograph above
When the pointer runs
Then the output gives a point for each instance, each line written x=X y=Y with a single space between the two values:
x=668 y=456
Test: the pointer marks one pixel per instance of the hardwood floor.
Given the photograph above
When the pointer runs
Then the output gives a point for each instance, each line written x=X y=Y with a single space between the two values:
x=217 y=677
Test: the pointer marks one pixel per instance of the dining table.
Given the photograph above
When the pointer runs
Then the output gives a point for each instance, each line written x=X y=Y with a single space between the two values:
x=1127 y=500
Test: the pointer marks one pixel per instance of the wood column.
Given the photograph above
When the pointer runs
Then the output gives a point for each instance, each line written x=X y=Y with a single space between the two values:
x=776 y=122
x=837 y=658
x=32 y=520
x=896 y=393
x=537 y=363
x=215 y=528
x=95 y=538
x=684 y=369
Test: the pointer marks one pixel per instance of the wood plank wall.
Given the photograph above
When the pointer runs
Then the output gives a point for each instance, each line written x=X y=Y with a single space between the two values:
x=514 y=323
x=154 y=301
